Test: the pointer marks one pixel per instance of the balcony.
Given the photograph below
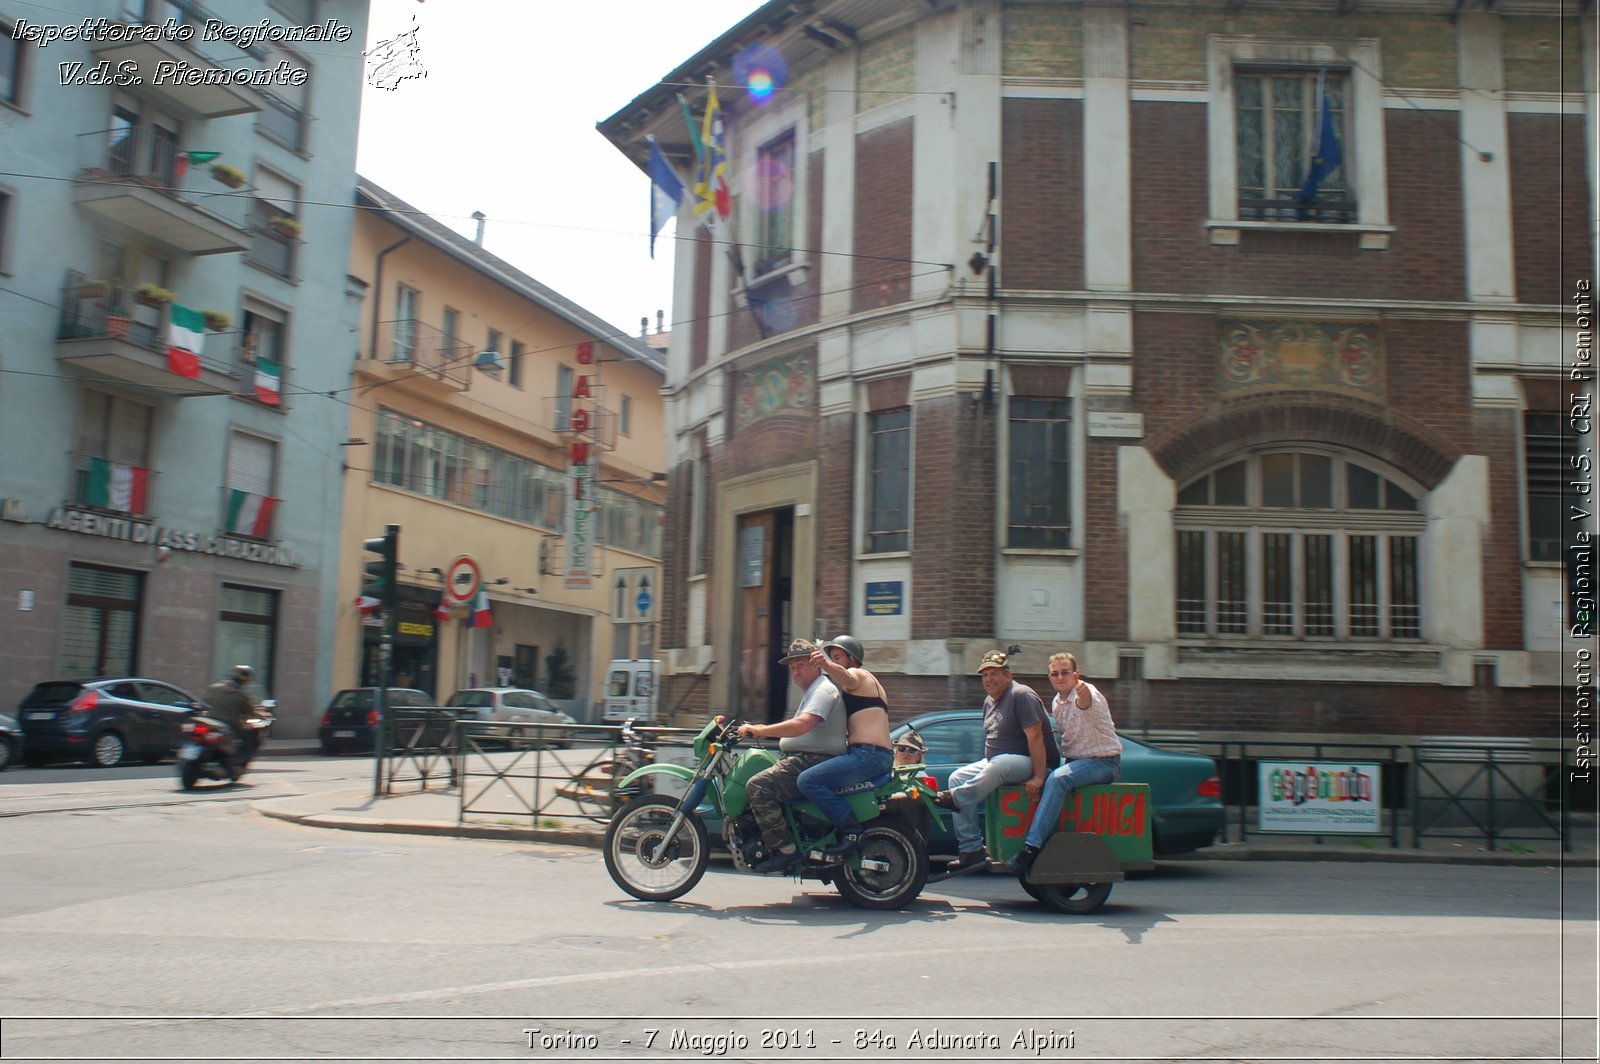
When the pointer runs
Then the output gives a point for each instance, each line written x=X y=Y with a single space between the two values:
x=417 y=351
x=158 y=60
x=282 y=122
x=106 y=331
x=272 y=249
x=133 y=177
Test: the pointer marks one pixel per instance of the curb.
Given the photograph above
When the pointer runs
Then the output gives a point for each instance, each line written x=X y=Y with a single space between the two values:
x=564 y=837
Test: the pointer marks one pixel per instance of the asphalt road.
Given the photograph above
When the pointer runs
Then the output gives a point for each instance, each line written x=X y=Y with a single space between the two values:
x=139 y=921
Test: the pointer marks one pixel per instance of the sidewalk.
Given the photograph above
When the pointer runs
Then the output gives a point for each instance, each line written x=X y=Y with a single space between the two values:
x=436 y=812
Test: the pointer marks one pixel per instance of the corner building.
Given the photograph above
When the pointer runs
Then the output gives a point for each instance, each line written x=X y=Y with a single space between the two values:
x=1037 y=335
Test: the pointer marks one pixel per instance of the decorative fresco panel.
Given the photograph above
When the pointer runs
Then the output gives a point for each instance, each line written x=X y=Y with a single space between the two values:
x=1264 y=356
x=780 y=386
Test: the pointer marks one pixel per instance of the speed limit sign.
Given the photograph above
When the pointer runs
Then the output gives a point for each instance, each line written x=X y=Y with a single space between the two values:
x=462 y=578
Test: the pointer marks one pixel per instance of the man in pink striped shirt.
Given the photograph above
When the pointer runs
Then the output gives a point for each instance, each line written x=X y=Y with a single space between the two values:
x=1090 y=750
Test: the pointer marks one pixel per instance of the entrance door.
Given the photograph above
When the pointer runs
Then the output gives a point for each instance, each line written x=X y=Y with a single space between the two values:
x=765 y=568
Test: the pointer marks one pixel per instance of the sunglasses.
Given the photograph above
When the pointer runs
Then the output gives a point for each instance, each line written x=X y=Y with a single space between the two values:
x=901 y=748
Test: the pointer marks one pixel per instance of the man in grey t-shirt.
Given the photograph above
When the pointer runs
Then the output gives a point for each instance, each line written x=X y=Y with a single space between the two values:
x=815 y=733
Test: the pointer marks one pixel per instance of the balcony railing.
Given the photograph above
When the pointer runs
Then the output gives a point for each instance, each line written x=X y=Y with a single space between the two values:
x=272 y=250
x=426 y=349
x=138 y=177
x=113 y=312
x=282 y=122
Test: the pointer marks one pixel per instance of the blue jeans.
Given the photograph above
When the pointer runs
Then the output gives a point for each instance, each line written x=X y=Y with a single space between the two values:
x=1083 y=772
x=971 y=784
x=821 y=783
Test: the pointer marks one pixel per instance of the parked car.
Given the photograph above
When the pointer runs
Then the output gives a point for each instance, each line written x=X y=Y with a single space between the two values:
x=106 y=721
x=1185 y=790
x=351 y=719
x=10 y=741
x=514 y=704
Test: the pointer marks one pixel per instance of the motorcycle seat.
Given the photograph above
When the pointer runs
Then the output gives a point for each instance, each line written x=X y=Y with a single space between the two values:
x=867 y=785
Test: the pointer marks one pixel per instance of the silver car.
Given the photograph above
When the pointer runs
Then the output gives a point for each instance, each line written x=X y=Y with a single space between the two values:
x=515 y=705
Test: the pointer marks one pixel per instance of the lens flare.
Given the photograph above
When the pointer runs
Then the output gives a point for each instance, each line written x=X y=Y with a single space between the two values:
x=761 y=70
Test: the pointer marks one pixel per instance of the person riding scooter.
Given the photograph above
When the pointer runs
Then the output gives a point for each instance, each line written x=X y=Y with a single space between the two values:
x=231 y=704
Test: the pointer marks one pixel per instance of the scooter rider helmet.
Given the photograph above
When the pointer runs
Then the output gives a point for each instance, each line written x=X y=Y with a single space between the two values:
x=243 y=673
x=850 y=645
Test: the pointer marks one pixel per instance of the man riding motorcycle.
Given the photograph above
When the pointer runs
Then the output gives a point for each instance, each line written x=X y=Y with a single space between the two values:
x=231 y=704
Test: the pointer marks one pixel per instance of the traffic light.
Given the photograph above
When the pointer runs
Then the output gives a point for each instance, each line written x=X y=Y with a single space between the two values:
x=379 y=575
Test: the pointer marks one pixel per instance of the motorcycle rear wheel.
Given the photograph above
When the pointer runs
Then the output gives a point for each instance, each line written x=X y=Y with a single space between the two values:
x=892 y=841
x=643 y=862
x=189 y=775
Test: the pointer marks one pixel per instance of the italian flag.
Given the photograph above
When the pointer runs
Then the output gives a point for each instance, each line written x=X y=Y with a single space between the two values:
x=117 y=487
x=480 y=616
x=186 y=332
x=250 y=514
x=199 y=158
x=269 y=381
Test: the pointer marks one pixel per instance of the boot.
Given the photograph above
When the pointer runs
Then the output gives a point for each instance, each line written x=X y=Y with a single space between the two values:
x=1023 y=861
x=848 y=835
x=776 y=861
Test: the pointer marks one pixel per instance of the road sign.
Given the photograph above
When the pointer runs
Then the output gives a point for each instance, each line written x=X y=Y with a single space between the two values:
x=633 y=595
x=462 y=578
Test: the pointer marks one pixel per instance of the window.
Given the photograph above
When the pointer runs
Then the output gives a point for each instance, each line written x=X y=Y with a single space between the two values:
x=248 y=497
x=100 y=632
x=1299 y=545
x=627 y=523
x=7 y=200
x=418 y=457
x=699 y=514
x=406 y=303
x=1547 y=460
x=11 y=66
x=1039 y=513
x=625 y=416
x=274 y=223
x=247 y=620
x=775 y=203
x=111 y=469
x=1264 y=121
x=493 y=343
x=1280 y=128
x=515 y=369
x=264 y=357
x=283 y=119
x=563 y=397
x=451 y=333
x=888 y=515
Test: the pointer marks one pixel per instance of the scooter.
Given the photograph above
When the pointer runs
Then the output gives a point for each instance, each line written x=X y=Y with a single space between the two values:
x=657 y=846
x=211 y=751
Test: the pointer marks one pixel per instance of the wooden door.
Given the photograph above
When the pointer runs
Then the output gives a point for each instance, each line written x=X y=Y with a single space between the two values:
x=755 y=653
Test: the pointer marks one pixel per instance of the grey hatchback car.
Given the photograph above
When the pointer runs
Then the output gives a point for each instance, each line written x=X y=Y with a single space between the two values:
x=105 y=721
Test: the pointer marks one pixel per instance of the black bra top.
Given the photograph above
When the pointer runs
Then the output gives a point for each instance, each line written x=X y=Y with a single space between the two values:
x=854 y=704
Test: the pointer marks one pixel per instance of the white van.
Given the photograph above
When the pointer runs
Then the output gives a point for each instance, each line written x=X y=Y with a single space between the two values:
x=632 y=690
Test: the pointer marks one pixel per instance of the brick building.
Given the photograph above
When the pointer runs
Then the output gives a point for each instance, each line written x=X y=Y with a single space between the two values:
x=1232 y=349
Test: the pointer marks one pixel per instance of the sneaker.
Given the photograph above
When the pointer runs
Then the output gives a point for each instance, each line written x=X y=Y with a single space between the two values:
x=776 y=861
x=945 y=800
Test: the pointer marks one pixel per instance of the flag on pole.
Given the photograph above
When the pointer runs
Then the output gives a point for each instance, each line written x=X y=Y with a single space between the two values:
x=113 y=486
x=441 y=612
x=666 y=192
x=198 y=158
x=711 y=183
x=1326 y=155
x=367 y=605
x=269 y=381
x=694 y=134
x=480 y=618
x=186 y=330
x=250 y=514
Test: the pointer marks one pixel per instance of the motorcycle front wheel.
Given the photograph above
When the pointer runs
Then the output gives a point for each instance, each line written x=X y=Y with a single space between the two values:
x=893 y=868
x=643 y=861
x=189 y=774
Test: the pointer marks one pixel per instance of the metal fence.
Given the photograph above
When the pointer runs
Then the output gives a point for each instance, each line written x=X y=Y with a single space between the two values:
x=1500 y=791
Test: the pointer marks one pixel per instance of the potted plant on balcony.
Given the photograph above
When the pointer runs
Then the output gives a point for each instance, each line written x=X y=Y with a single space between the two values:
x=285 y=226
x=91 y=288
x=217 y=320
x=231 y=176
x=153 y=295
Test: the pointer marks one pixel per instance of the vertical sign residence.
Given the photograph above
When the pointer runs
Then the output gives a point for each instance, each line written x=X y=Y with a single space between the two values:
x=580 y=473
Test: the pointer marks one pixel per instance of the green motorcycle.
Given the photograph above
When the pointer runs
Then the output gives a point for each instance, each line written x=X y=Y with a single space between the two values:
x=657 y=846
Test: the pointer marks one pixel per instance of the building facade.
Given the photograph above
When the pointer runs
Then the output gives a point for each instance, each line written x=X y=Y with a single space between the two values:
x=540 y=486
x=1243 y=352
x=174 y=237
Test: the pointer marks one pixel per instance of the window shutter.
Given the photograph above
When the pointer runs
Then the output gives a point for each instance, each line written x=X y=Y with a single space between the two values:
x=250 y=464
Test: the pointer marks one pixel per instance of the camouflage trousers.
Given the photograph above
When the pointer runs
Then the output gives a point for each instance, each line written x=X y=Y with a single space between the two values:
x=771 y=789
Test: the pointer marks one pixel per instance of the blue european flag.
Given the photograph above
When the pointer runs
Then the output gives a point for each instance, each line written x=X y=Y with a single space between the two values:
x=1326 y=156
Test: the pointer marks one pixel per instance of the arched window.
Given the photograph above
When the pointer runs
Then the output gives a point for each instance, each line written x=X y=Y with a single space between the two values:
x=1298 y=544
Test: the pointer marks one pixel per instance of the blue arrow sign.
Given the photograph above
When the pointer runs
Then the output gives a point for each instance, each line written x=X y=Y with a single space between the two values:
x=643 y=602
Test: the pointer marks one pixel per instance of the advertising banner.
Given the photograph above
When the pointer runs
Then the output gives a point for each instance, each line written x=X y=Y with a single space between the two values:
x=1321 y=798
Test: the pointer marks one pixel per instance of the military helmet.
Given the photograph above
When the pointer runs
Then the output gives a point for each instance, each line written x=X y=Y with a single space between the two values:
x=850 y=645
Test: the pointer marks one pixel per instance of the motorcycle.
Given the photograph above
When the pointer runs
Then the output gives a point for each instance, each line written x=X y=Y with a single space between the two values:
x=211 y=751
x=599 y=789
x=657 y=847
